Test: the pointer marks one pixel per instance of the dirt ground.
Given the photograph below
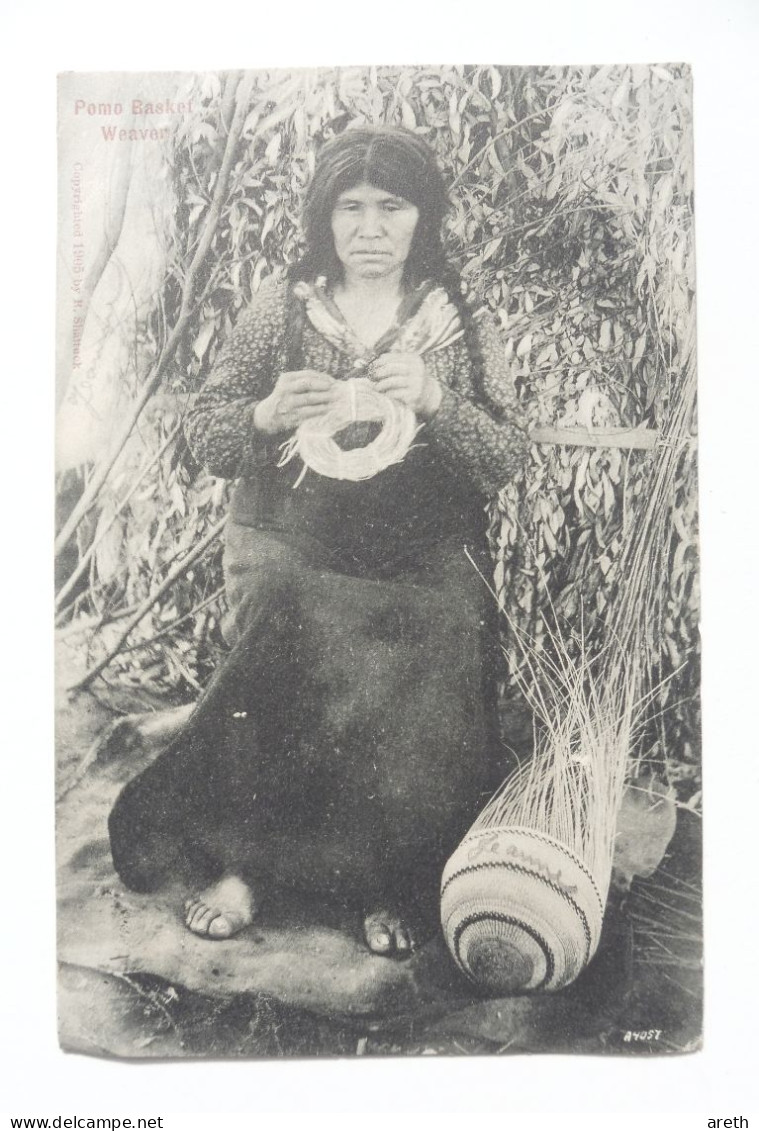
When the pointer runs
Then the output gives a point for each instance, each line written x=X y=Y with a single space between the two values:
x=135 y=983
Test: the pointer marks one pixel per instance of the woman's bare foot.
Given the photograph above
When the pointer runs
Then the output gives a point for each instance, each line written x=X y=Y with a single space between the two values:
x=222 y=910
x=389 y=934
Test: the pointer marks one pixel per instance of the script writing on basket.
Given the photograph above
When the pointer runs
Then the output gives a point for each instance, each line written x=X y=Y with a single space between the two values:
x=491 y=846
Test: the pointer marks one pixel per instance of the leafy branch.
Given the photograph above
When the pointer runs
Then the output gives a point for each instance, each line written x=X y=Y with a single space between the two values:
x=148 y=604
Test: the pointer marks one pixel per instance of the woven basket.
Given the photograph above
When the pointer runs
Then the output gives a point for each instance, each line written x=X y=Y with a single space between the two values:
x=520 y=911
x=357 y=401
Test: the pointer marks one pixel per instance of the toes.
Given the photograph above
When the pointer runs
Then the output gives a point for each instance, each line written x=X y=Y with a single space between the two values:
x=378 y=934
x=191 y=909
x=193 y=919
x=379 y=940
x=404 y=943
x=204 y=920
x=200 y=917
x=222 y=910
x=220 y=928
x=387 y=934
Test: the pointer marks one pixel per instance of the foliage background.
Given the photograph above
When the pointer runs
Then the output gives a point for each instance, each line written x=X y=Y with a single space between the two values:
x=571 y=220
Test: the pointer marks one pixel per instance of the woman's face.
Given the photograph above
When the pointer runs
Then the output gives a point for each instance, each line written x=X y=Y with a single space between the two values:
x=373 y=230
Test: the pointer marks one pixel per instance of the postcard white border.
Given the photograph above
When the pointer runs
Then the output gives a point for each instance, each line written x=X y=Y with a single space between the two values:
x=720 y=42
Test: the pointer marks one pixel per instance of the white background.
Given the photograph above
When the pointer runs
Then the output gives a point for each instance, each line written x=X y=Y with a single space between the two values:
x=720 y=41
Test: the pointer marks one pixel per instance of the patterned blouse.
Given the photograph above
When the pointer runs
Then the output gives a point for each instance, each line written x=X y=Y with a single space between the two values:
x=489 y=453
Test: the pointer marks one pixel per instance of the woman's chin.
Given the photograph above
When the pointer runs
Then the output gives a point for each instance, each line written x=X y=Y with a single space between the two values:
x=370 y=268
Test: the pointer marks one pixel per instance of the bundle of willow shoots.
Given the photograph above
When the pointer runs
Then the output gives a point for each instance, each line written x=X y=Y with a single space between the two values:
x=523 y=896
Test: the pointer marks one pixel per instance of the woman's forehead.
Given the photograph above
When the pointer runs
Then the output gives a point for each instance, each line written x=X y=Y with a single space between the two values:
x=367 y=194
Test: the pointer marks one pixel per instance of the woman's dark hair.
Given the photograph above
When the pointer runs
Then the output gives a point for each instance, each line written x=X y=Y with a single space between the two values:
x=399 y=162
x=394 y=160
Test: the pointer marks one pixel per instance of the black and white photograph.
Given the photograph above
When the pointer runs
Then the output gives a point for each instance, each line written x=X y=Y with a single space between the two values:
x=377 y=563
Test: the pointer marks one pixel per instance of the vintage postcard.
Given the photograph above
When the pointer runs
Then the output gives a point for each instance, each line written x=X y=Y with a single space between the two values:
x=377 y=563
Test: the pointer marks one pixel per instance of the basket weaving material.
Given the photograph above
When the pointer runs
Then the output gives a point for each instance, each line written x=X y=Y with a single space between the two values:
x=532 y=918
x=520 y=911
x=358 y=401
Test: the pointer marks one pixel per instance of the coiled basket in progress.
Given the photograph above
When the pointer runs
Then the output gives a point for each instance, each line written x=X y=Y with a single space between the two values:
x=356 y=401
x=520 y=910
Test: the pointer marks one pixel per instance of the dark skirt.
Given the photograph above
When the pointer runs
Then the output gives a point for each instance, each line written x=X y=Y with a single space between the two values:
x=345 y=743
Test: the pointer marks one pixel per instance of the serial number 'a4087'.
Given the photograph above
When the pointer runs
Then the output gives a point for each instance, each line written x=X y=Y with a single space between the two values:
x=642 y=1035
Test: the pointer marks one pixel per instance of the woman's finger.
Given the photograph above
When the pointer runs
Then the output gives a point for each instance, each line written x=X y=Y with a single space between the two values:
x=317 y=396
x=291 y=407
x=394 y=376
x=307 y=385
x=396 y=381
x=401 y=394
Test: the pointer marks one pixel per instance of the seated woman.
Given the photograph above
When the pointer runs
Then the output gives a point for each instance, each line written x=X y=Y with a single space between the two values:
x=343 y=746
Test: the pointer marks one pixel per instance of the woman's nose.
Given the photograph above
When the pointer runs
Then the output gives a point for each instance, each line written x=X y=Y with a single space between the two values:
x=370 y=223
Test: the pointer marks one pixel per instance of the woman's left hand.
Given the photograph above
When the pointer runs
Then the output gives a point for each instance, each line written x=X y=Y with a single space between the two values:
x=404 y=377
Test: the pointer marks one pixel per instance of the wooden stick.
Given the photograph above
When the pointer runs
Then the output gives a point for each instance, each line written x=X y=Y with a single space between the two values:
x=97 y=622
x=643 y=438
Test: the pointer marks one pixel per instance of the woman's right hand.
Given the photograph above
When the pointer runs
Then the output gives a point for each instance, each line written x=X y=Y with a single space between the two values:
x=297 y=396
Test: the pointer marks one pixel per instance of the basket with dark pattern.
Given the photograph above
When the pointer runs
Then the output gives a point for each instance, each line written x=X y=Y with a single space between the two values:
x=520 y=911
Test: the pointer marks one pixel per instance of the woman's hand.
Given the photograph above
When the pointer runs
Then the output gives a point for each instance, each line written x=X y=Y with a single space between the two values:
x=297 y=396
x=404 y=377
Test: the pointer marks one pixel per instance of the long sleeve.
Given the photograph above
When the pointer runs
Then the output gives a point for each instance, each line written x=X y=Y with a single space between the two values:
x=220 y=429
x=490 y=451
